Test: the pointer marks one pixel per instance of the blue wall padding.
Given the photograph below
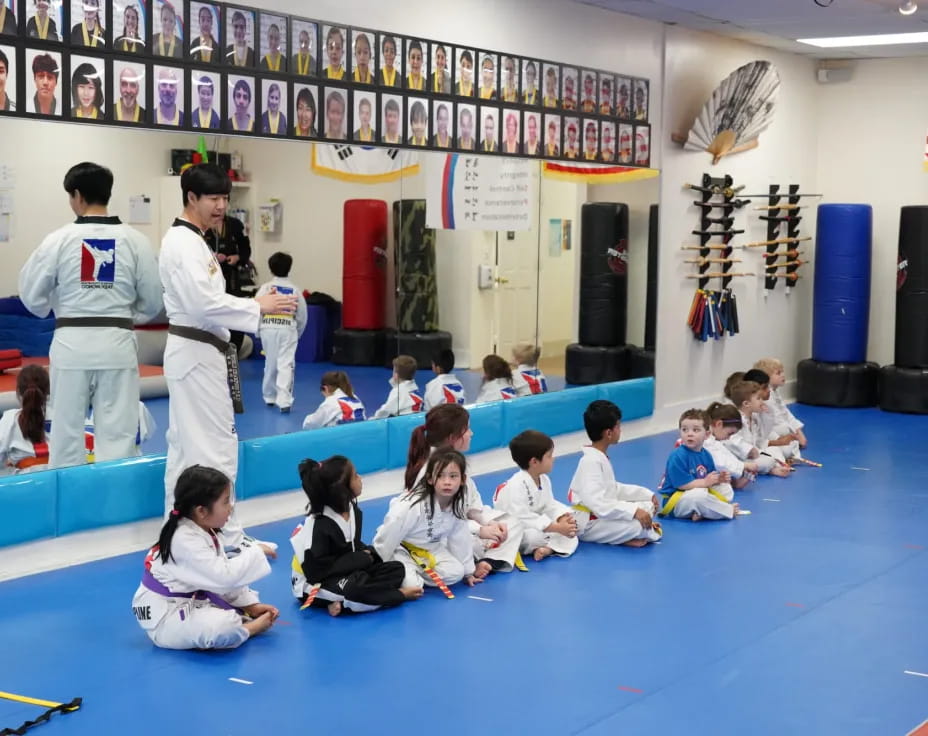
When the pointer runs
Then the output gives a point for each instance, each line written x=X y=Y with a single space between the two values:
x=841 y=295
x=29 y=507
x=53 y=502
x=103 y=494
x=635 y=398
x=31 y=335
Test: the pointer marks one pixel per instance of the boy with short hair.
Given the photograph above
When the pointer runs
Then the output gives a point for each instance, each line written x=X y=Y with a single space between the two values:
x=527 y=379
x=279 y=335
x=784 y=422
x=445 y=388
x=748 y=397
x=690 y=479
x=785 y=441
x=404 y=397
x=549 y=526
x=607 y=511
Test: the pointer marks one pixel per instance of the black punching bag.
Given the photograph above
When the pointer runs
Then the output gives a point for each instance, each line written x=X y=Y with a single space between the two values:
x=912 y=289
x=603 y=274
x=650 y=309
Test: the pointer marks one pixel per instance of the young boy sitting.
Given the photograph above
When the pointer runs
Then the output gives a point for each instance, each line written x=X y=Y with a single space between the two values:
x=784 y=423
x=749 y=398
x=549 y=526
x=404 y=397
x=690 y=480
x=527 y=378
x=785 y=441
x=606 y=511
x=445 y=388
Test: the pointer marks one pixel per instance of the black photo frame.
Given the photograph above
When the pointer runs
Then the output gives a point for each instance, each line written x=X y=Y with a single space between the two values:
x=168 y=29
x=553 y=130
x=416 y=133
x=364 y=116
x=570 y=89
x=304 y=45
x=206 y=110
x=274 y=107
x=416 y=65
x=241 y=92
x=204 y=32
x=590 y=143
x=489 y=117
x=641 y=100
x=625 y=147
x=363 y=56
x=392 y=109
x=88 y=28
x=606 y=93
x=465 y=72
x=623 y=98
x=510 y=124
x=273 y=42
x=305 y=98
x=45 y=71
x=442 y=124
x=50 y=29
x=465 y=126
x=390 y=61
x=168 y=100
x=529 y=87
x=509 y=68
x=9 y=18
x=642 y=155
x=335 y=126
x=441 y=60
x=238 y=32
x=571 y=147
x=532 y=133
x=10 y=75
x=551 y=87
x=487 y=79
x=607 y=141
x=129 y=91
x=334 y=62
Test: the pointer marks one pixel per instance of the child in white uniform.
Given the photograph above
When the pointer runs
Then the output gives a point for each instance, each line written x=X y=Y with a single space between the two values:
x=725 y=421
x=549 y=527
x=280 y=334
x=497 y=380
x=445 y=388
x=527 y=378
x=23 y=432
x=606 y=511
x=784 y=423
x=748 y=397
x=404 y=397
x=785 y=441
x=192 y=596
x=340 y=405
x=426 y=526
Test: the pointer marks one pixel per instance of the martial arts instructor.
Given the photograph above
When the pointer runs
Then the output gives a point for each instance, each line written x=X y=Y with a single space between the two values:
x=201 y=425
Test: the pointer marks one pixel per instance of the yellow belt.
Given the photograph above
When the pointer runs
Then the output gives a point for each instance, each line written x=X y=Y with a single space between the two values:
x=581 y=507
x=426 y=560
x=677 y=495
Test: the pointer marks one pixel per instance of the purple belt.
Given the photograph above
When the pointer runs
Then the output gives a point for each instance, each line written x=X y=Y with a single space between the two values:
x=149 y=581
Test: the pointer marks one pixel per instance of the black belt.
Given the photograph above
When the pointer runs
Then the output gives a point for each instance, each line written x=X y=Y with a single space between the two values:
x=123 y=322
x=230 y=352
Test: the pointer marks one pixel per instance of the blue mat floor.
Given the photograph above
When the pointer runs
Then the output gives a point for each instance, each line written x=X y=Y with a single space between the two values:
x=799 y=619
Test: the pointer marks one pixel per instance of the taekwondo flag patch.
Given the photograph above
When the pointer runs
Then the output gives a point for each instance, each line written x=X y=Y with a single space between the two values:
x=98 y=263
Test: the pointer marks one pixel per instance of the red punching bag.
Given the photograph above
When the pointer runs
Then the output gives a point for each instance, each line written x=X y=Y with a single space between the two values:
x=364 y=270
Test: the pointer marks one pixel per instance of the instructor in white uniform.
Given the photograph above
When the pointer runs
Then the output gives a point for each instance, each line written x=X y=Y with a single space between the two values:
x=100 y=277
x=201 y=424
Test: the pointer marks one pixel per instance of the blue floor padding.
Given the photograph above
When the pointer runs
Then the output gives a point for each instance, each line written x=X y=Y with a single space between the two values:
x=370 y=384
x=798 y=619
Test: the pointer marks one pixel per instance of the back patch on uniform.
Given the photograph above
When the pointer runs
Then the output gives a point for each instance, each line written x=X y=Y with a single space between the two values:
x=98 y=263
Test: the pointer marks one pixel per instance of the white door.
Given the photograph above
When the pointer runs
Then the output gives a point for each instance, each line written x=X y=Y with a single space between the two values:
x=516 y=312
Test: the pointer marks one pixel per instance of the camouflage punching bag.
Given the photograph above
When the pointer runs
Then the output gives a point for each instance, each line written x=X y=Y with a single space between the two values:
x=414 y=254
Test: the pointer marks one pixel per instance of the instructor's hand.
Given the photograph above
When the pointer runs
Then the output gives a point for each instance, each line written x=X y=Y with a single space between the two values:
x=277 y=303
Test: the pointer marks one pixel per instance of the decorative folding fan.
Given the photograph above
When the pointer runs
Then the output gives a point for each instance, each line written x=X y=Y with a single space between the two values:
x=739 y=110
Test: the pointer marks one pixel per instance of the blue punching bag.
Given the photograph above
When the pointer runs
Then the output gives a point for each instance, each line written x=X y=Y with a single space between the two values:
x=841 y=301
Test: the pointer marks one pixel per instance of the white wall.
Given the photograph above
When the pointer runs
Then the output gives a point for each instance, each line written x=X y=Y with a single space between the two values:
x=690 y=372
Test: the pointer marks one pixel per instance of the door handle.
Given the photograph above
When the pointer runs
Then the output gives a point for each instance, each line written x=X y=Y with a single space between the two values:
x=500 y=280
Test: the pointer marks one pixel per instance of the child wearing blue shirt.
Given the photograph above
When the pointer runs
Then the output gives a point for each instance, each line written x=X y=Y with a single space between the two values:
x=688 y=481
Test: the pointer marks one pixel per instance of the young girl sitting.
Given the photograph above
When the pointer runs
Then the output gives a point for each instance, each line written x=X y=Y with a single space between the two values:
x=426 y=527
x=328 y=550
x=527 y=379
x=340 y=405
x=23 y=438
x=192 y=596
x=725 y=421
x=497 y=380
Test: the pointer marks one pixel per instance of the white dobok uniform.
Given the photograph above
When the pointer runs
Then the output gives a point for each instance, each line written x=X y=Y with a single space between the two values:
x=404 y=398
x=528 y=380
x=279 y=335
x=95 y=267
x=725 y=460
x=443 y=389
x=201 y=423
x=536 y=509
x=17 y=454
x=337 y=408
x=755 y=432
x=495 y=390
x=440 y=533
x=146 y=430
x=605 y=509
x=783 y=422
x=190 y=600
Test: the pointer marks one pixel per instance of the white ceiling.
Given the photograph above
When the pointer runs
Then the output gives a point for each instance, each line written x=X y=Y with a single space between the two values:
x=778 y=23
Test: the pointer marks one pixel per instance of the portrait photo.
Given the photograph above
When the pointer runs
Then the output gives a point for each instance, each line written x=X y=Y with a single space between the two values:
x=9 y=95
x=87 y=18
x=466 y=127
x=417 y=121
x=43 y=72
x=569 y=86
x=530 y=92
x=512 y=131
x=416 y=72
x=274 y=103
x=641 y=99
x=365 y=113
x=590 y=130
x=464 y=72
x=489 y=129
x=509 y=79
x=391 y=118
x=273 y=42
x=623 y=98
x=204 y=33
x=642 y=145
x=606 y=93
x=588 y=91
x=241 y=106
x=45 y=19
x=440 y=76
x=607 y=142
x=88 y=82
x=625 y=144
x=571 y=147
x=304 y=42
x=489 y=66
x=532 y=133
x=168 y=85
x=8 y=24
x=168 y=37
x=128 y=95
x=363 y=56
x=336 y=114
x=304 y=110
x=552 y=125
x=390 y=73
x=333 y=51
x=442 y=124
x=129 y=26
x=552 y=80
x=240 y=37
x=205 y=99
